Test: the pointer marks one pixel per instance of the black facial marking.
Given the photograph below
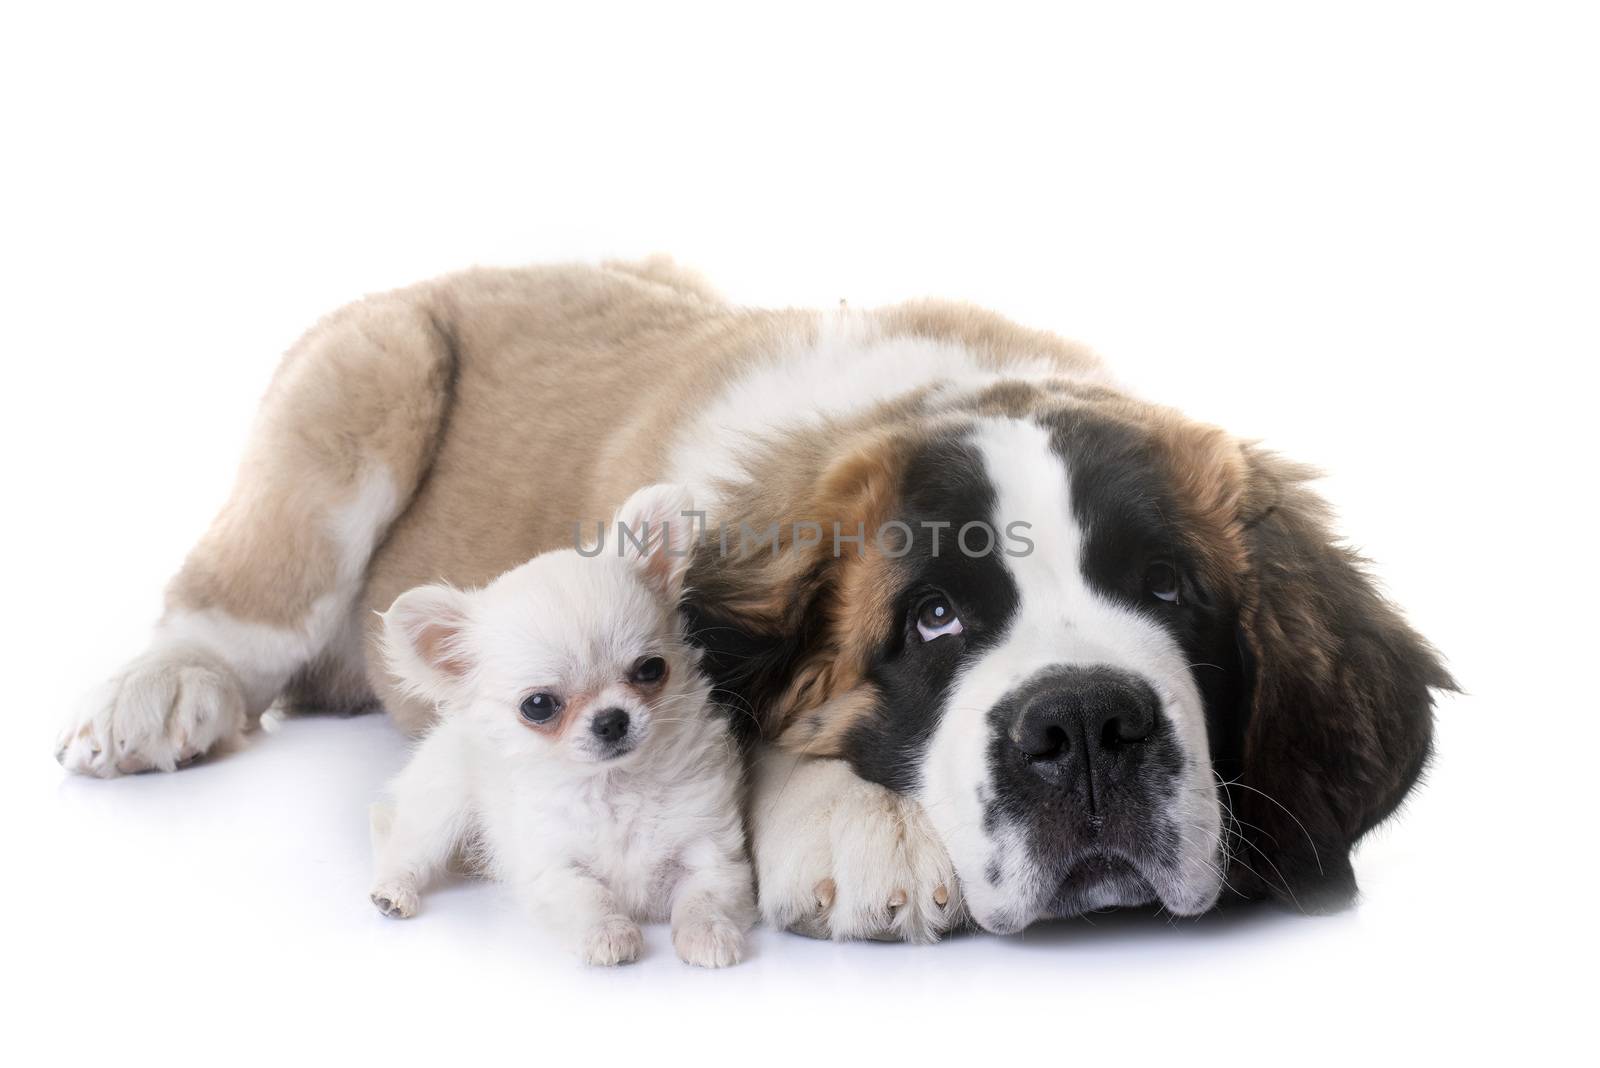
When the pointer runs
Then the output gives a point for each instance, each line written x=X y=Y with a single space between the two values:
x=945 y=487
x=746 y=667
x=1135 y=543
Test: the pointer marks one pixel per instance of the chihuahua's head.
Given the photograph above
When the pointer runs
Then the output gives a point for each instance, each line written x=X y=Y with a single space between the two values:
x=570 y=656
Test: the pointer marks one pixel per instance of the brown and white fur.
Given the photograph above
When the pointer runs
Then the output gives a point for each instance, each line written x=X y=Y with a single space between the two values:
x=460 y=426
x=577 y=754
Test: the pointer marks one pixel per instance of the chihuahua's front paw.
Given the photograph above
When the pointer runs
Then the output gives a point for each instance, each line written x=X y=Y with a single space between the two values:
x=614 y=940
x=710 y=943
x=395 y=898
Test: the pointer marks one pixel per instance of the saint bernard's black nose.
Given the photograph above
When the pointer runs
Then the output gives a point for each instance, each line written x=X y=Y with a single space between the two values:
x=1087 y=723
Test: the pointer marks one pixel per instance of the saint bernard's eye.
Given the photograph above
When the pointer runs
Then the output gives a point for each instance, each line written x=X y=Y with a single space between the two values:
x=1161 y=581
x=937 y=617
x=540 y=707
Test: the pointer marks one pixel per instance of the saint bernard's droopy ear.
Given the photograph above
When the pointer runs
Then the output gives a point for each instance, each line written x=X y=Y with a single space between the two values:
x=1339 y=723
x=788 y=619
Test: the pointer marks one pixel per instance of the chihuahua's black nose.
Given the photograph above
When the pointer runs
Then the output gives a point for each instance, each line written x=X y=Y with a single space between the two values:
x=610 y=724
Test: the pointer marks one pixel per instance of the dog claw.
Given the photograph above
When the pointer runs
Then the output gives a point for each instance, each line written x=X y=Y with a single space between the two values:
x=826 y=890
x=897 y=899
x=941 y=896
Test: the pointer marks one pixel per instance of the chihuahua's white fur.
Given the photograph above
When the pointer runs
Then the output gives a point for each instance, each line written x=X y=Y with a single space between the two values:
x=592 y=843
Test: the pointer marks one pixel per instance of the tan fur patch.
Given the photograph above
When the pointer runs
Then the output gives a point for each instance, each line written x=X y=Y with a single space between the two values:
x=857 y=491
x=996 y=340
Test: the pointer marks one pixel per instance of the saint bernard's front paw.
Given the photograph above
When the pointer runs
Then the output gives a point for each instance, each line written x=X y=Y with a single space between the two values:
x=160 y=712
x=838 y=857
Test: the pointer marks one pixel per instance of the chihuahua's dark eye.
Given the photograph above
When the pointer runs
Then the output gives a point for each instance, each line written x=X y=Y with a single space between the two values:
x=651 y=669
x=1161 y=581
x=936 y=617
x=540 y=707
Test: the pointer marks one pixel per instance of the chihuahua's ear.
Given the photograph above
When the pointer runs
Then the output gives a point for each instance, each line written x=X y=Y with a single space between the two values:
x=656 y=532
x=424 y=640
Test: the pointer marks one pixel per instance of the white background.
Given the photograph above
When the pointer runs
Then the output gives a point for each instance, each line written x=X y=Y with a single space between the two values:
x=1367 y=235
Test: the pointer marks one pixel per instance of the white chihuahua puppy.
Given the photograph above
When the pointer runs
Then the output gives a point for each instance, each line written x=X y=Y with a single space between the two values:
x=577 y=754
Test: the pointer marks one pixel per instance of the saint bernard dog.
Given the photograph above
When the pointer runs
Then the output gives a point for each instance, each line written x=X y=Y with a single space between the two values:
x=1007 y=642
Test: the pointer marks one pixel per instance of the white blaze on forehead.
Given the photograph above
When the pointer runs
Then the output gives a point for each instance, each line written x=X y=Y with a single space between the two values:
x=1060 y=619
x=845 y=368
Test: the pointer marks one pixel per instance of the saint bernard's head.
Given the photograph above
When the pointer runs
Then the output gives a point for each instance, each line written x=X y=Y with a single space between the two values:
x=1146 y=674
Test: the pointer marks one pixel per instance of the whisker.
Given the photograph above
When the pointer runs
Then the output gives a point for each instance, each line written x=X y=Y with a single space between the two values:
x=1311 y=841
